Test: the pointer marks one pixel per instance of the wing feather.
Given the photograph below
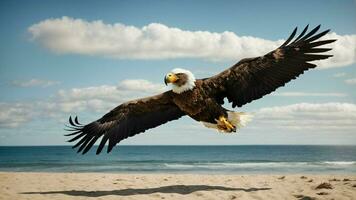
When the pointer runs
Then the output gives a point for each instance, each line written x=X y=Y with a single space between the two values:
x=124 y=121
x=302 y=33
x=252 y=78
x=290 y=37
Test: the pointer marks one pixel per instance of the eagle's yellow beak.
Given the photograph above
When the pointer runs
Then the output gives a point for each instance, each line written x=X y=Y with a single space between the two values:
x=170 y=78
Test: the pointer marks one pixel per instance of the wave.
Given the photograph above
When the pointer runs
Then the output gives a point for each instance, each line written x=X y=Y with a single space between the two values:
x=194 y=167
x=230 y=165
x=340 y=162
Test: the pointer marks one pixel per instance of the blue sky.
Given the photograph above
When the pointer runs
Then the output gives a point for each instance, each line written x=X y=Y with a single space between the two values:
x=38 y=74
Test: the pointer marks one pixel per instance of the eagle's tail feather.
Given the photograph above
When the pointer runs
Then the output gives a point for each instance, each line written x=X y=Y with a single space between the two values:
x=239 y=119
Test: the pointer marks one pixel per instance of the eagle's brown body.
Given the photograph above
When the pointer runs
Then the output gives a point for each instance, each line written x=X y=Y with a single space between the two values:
x=202 y=99
x=201 y=105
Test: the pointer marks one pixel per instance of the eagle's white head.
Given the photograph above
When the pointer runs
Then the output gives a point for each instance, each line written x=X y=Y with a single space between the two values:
x=182 y=80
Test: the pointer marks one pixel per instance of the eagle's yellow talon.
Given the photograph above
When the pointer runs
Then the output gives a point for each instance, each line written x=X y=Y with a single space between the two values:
x=225 y=125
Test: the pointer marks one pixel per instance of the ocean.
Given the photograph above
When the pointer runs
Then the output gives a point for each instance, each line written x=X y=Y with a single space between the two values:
x=246 y=159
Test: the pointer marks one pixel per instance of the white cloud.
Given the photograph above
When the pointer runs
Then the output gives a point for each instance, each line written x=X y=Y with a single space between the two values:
x=34 y=83
x=310 y=94
x=154 y=41
x=105 y=97
x=158 y=41
x=325 y=117
x=97 y=99
x=140 y=85
x=351 y=81
x=339 y=75
x=14 y=114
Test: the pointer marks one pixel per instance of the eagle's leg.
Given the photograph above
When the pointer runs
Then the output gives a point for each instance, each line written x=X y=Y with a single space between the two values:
x=224 y=125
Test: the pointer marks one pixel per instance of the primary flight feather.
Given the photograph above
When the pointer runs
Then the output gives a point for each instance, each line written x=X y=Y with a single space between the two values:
x=202 y=99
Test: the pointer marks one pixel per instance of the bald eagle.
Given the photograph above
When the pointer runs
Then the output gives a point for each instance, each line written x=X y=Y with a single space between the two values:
x=202 y=99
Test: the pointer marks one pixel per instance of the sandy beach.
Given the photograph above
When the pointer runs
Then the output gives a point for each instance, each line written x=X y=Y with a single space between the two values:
x=14 y=185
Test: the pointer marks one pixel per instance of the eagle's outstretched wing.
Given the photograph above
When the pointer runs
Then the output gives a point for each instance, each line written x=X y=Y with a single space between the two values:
x=253 y=78
x=126 y=120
